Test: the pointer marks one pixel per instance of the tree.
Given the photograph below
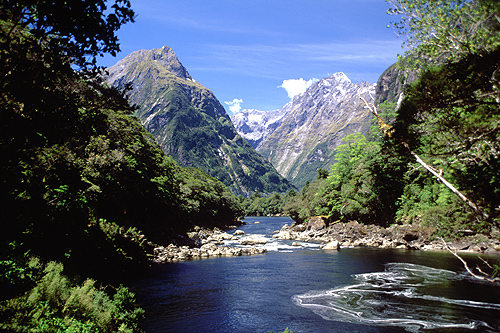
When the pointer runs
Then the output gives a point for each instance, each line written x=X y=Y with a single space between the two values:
x=350 y=191
x=445 y=30
x=451 y=115
x=75 y=29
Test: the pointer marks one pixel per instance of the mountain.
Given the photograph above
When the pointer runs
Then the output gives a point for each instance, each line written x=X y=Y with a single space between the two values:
x=311 y=126
x=189 y=123
x=255 y=125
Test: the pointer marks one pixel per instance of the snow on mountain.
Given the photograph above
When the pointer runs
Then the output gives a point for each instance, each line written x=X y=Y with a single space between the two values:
x=302 y=136
x=254 y=125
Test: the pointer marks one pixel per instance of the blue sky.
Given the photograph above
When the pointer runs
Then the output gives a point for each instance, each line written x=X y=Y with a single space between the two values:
x=256 y=52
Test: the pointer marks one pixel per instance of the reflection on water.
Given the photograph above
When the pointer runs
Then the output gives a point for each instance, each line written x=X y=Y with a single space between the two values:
x=357 y=290
x=406 y=295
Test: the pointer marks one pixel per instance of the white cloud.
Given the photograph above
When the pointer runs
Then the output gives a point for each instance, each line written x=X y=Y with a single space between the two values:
x=234 y=105
x=294 y=87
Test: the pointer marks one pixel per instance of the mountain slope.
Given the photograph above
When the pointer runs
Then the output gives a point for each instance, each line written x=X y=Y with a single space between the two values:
x=315 y=123
x=189 y=123
x=255 y=126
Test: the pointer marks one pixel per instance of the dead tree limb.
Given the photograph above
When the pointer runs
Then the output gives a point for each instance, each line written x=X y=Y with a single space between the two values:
x=483 y=277
x=388 y=131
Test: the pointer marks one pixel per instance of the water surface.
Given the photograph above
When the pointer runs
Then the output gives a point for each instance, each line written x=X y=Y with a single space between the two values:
x=310 y=290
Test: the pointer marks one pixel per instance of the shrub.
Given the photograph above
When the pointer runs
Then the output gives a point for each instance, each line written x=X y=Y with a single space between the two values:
x=55 y=304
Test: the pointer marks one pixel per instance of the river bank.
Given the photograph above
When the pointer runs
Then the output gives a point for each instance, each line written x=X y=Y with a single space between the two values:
x=353 y=234
x=204 y=243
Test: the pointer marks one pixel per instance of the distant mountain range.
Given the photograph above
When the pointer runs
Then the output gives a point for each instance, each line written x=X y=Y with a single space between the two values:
x=190 y=124
x=255 y=126
x=302 y=136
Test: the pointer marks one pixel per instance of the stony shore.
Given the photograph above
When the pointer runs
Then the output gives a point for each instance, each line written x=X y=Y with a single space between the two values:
x=353 y=234
x=205 y=243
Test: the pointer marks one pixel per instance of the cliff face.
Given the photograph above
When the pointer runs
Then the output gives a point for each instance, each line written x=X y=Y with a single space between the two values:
x=189 y=123
x=313 y=125
x=390 y=85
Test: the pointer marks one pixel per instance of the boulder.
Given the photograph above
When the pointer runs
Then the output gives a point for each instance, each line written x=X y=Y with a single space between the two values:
x=239 y=232
x=252 y=241
x=317 y=223
x=299 y=228
x=333 y=245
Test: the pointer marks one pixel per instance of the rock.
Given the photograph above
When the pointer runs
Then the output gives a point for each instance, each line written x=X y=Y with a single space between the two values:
x=295 y=244
x=252 y=241
x=257 y=222
x=285 y=227
x=299 y=228
x=460 y=246
x=317 y=223
x=239 y=232
x=333 y=245
x=411 y=235
x=174 y=253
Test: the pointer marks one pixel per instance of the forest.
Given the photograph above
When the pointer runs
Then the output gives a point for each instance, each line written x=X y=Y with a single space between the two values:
x=448 y=118
x=87 y=192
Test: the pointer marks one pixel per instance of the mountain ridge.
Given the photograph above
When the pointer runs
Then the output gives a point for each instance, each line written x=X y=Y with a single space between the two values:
x=189 y=123
x=312 y=125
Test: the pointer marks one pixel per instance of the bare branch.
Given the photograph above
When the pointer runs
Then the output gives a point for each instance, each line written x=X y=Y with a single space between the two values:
x=389 y=131
x=484 y=277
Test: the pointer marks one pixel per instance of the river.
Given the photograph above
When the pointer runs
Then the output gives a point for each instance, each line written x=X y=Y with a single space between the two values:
x=310 y=290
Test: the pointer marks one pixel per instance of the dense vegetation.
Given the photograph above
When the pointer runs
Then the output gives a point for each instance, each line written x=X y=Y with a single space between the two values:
x=85 y=189
x=189 y=122
x=449 y=118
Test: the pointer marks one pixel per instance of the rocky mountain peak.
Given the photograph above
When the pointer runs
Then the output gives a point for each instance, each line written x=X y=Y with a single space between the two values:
x=169 y=60
x=189 y=123
x=165 y=59
x=303 y=135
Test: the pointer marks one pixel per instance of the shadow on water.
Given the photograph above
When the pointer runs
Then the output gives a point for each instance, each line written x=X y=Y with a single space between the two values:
x=310 y=290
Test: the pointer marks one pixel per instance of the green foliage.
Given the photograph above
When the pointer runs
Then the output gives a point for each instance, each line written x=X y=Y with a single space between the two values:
x=206 y=200
x=440 y=31
x=350 y=191
x=75 y=29
x=430 y=203
x=258 y=205
x=451 y=115
x=55 y=304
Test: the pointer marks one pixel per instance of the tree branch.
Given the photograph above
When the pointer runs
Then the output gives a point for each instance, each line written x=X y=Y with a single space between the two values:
x=388 y=131
x=483 y=277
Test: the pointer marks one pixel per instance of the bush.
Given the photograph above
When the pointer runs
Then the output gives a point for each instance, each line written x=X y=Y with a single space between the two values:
x=55 y=304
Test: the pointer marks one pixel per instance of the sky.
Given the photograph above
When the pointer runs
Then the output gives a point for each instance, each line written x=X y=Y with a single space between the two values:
x=258 y=54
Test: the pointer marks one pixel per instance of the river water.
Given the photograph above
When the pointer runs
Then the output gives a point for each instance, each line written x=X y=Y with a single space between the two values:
x=310 y=290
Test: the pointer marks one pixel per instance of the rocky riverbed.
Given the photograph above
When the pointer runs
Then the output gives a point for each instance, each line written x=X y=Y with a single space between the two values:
x=205 y=243
x=338 y=235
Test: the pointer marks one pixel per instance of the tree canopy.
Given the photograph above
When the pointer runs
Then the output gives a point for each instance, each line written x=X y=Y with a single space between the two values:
x=438 y=31
x=80 y=30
